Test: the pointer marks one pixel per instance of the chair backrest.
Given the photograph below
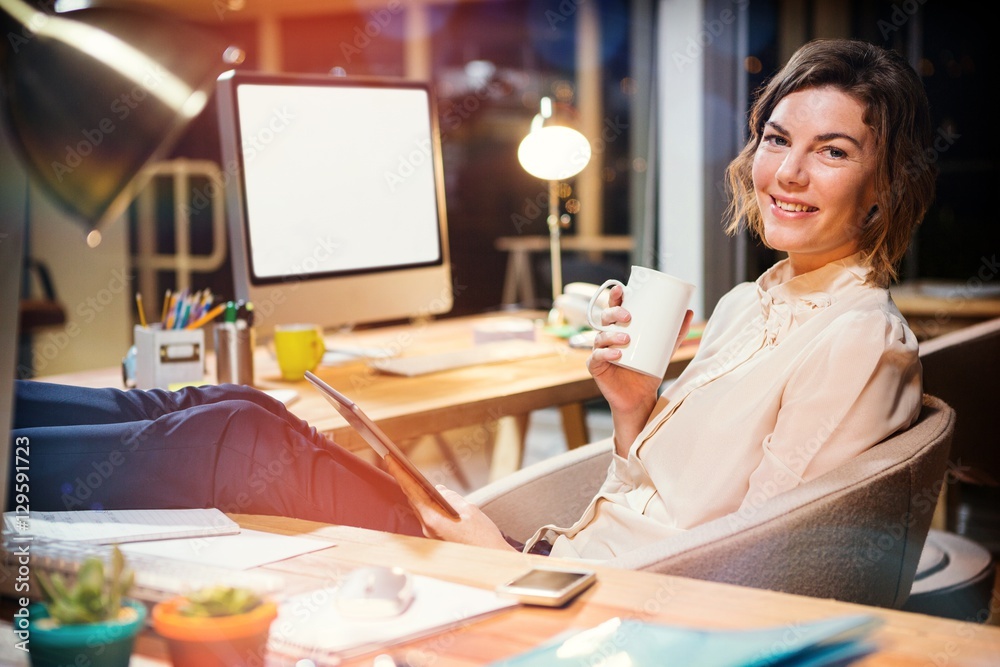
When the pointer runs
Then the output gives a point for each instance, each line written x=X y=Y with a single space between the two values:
x=853 y=534
x=958 y=367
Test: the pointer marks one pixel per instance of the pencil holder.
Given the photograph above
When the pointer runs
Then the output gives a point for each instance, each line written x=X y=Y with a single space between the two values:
x=168 y=356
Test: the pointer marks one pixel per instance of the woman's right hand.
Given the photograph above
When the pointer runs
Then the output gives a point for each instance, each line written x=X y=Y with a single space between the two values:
x=630 y=394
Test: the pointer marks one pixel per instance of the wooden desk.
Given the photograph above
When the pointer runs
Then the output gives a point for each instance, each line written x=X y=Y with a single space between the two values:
x=905 y=640
x=934 y=307
x=500 y=397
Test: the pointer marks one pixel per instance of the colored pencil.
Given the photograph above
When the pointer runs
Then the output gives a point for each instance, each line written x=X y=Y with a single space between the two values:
x=142 y=311
x=207 y=317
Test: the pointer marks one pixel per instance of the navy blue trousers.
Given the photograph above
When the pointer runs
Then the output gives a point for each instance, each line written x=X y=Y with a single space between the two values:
x=226 y=446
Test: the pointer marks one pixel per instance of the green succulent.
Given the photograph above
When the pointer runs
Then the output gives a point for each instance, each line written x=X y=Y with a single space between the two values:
x=93 y=597
x=219 y=601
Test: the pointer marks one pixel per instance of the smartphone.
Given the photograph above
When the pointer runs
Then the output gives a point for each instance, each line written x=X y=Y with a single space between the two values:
x=549 y=587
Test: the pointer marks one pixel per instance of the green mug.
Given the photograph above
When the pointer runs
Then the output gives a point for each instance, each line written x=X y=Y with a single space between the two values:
x=299 y=348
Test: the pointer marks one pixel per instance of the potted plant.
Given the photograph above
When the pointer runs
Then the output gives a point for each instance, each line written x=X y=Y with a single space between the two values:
x=89 y=622
x=219 y=626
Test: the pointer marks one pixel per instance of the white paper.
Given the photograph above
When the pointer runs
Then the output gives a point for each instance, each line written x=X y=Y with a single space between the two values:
x=248 y=549
x=309 y=625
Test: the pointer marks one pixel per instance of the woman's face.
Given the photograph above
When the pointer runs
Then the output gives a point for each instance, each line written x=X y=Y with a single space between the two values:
x=814 y=176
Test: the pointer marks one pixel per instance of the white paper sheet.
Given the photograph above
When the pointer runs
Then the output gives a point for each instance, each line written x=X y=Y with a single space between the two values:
x=248 y=549
x=309 y=625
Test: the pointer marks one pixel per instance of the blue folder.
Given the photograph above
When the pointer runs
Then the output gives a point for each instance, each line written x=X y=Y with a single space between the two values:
x=826 y=643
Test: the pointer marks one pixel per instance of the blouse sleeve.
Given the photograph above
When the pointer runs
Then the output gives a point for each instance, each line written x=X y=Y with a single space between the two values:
x=859 y=385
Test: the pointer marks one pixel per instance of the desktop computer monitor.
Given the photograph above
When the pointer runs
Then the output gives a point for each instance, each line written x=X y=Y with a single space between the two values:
x=335 y=198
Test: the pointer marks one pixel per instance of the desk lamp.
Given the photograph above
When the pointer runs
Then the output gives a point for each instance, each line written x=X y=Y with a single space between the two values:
x=553 y=151
x=91 y=94
x=88 y=98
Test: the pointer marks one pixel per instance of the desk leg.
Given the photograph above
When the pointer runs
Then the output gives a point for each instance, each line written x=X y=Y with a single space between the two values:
x=518 y=284
x=509 y=297
x=508 y=445
x=574 y=423
x=526 y=280
x=449 y=456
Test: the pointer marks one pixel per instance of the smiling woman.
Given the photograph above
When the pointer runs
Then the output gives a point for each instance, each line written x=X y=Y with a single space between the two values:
x=799 y=371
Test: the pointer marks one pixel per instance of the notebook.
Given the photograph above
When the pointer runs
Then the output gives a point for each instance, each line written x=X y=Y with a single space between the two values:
x=119 y=526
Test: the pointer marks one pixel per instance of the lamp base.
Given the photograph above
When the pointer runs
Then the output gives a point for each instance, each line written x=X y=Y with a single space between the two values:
x=556 y=318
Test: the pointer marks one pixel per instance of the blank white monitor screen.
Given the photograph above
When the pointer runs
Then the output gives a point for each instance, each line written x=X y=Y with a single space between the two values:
x=338 y=197
x=353 y=139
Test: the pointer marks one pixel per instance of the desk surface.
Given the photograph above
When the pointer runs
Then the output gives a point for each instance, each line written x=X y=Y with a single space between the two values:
x=406 y=407
x=904 y=640
x=935 y=307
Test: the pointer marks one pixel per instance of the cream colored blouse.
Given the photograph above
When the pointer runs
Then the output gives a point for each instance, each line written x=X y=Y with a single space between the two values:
x=793 y=377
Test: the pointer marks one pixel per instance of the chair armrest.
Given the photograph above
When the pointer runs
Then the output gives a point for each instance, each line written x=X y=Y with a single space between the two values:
x=556 y=490
x=854 y=533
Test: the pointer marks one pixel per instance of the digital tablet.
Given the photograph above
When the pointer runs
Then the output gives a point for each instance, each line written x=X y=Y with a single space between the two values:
x=378 y=440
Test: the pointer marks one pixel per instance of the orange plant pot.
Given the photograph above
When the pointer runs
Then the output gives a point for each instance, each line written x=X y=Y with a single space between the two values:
x=221 y=641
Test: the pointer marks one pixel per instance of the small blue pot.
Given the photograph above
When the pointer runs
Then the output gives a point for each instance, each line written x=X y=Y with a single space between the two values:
x=108 y=644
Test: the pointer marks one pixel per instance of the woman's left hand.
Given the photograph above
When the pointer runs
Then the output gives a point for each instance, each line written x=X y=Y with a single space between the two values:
x=473 y=527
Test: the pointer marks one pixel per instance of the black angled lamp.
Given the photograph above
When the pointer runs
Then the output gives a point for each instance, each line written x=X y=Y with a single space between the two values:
x=93 y=93
x=88 y=97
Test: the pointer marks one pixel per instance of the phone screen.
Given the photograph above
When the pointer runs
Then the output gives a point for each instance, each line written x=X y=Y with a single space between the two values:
x=550 y=580
x=548 y=587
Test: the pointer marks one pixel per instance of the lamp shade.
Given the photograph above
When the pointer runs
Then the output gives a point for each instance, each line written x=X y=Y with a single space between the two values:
x=553 y=150
x=91 y=96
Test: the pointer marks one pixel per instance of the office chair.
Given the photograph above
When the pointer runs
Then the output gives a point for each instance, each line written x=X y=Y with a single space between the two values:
x=36 y=313
x=956 y=575
x=960 y=368
x=854 y=534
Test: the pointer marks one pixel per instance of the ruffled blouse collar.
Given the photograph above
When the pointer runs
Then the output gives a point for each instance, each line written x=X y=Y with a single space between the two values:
x=787 y=301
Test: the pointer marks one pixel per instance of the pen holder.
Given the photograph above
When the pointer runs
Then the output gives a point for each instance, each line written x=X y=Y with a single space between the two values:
x=234 y=346
x=168 y=356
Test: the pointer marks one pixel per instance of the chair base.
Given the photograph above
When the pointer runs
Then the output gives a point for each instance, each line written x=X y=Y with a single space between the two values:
x=976 y=515
x=958 y=584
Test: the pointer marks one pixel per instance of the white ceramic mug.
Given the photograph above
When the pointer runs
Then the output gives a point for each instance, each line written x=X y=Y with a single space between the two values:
x=657 y=303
